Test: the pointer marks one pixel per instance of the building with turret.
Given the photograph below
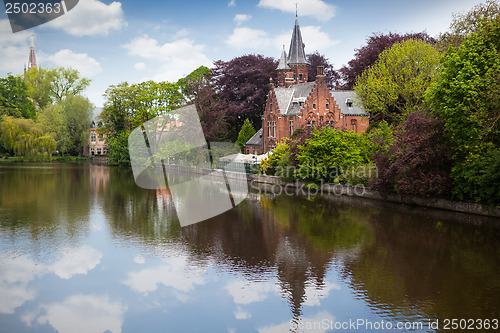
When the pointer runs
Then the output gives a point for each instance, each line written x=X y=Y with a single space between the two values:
x=295 y=102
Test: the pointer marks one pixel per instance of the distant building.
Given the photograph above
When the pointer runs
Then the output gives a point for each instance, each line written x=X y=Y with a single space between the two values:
x=294 y=103
x=32 y=56
x=97 y=142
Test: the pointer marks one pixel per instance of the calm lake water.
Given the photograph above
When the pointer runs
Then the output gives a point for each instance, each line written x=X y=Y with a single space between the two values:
x=83 y=249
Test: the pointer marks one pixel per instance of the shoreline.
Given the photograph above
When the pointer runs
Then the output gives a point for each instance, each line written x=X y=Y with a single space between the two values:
x=270 y=183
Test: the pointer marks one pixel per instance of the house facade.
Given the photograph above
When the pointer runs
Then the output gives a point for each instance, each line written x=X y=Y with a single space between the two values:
x=294 y=103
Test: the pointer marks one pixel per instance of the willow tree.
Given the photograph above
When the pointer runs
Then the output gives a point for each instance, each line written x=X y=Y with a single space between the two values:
x=25 y=139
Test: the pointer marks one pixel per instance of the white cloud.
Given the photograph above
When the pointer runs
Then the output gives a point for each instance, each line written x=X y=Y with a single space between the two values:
x=316 y=8
x=315 y=39
x=91 y=18
x=176 y=59
x=241 y=18
x=176 y=274
x=76 y=261
x=231 y=3
x=14 y=48
x=244 y=292
x=15 y=274
x=240 y=314
x=248 y=38
x=244 y=38
x=313 y=295
x=84 y=313
x=86 y=65
x=316 y=324
x=140 y=66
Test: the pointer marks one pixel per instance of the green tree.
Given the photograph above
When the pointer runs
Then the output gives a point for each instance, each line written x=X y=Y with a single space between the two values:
x=14 y=98
x=25 y=139
x=39 y=82
x=466 y=96
x=246 y=133
x=65 y=82
x=51 y=120
x=395 y=85
x=331 y=153
x=129 y=106
x=77 y=113
x=464 y=24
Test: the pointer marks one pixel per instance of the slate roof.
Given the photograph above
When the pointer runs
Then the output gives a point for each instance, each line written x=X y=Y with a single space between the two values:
x=289 y=99
x=342 y=97
x=297 y=54
x=256 y=140
x=283 y=64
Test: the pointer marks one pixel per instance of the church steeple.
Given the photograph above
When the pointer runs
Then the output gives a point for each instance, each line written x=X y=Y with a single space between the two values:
x=297 y=54
x=32 y=57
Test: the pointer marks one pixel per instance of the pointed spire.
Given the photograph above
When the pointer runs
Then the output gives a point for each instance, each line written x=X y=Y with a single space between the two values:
x=283 y=63
x=297 y=54
x=32 y=57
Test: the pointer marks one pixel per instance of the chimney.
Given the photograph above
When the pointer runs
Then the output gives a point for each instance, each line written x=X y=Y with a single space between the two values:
x=320 y=76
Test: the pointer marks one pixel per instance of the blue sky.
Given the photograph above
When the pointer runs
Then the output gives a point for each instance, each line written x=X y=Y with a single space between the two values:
x=115 y=41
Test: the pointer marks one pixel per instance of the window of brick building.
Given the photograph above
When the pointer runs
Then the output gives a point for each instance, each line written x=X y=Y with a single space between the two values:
x=274 y=128
x=92 y=137
x=327 y=106
x=269 y=129
x=291 y=127
x=314 y=106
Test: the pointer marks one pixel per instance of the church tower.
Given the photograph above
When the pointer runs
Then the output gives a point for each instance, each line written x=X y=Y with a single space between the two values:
x=293 y=69
x=32 y=56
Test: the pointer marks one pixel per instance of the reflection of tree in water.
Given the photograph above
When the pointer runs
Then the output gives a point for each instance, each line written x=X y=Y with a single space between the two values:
x=50 y=201
x=445 y=269
x=293 y=238
x=138 y=214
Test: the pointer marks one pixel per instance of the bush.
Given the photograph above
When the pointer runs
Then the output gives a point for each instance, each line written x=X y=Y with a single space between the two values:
x=418 y=163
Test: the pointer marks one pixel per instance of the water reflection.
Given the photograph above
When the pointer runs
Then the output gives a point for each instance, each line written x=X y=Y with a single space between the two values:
x=83 y=244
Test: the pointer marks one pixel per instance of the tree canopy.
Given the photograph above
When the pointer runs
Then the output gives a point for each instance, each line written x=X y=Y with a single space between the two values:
x=14 y=98
x=368 y=54
x=396 y=83
x=243 y=83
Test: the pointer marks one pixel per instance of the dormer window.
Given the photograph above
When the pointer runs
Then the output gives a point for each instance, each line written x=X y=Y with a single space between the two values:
x=348 y=102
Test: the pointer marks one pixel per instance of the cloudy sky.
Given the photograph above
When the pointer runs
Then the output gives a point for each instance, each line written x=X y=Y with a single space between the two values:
x=135 y=40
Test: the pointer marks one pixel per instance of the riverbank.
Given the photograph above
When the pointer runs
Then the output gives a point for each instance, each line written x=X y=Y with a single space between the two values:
x=273 y=184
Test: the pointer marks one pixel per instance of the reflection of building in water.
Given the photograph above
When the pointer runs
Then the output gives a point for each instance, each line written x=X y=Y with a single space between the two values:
x=99 y=177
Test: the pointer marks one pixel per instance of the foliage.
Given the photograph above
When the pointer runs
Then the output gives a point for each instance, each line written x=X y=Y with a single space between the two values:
x=68 y=121
x=395 y=85
x=331 y=76
x=478 y=178
x=118 y=148
x=368 y=54
x=14 y=98
x=418 y=162
x=464 y=24
x=278 y=162
x=242 y=84
x=65 y=82
x=466 y=96
x=246 y=133
x=26 y=139
x=39 y=81
x=330 y=153
x=77 y=113
x=199 y=88
x=129 y=106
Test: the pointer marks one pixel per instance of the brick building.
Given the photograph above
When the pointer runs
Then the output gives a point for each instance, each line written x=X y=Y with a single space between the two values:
x=294 y=103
